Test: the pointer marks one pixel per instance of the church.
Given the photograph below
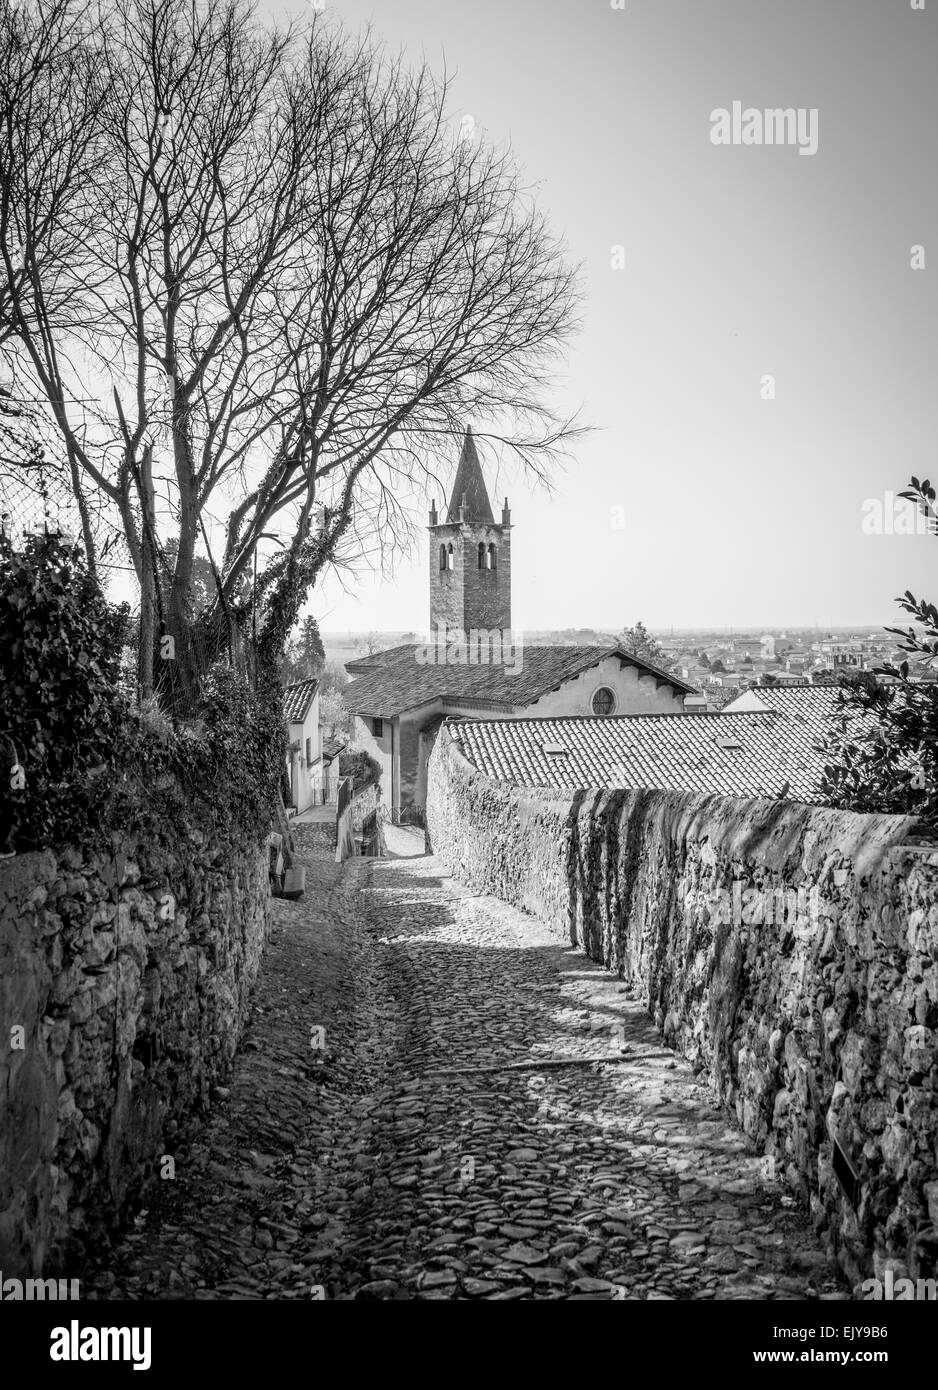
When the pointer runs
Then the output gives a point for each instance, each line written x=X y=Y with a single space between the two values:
x=475 y=665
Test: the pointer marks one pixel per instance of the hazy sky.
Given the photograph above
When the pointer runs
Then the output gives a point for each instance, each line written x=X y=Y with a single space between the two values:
x=740 y=262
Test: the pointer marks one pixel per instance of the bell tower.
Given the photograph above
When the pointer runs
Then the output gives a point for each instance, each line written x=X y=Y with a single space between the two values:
x=470 y=555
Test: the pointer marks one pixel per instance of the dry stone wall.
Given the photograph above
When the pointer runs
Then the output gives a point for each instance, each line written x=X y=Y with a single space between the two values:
x=124 y=984
x=789 y=951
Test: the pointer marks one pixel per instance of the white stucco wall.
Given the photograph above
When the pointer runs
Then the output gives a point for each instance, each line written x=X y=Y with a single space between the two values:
x=306 y=776
x=634 y=694
x=380 y=750
x=747 y=701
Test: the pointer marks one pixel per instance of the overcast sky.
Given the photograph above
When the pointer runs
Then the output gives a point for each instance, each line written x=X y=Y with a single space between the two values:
x=741 y=262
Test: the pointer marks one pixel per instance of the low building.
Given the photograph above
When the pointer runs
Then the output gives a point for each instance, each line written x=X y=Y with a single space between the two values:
x=304 y=750
x=473 y=663
x=763 y=743
x=756 y=753
x=812 y=706
x=400 y=703
x=811 y=710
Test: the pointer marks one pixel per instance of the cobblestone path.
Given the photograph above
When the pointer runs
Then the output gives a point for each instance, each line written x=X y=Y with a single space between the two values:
x=492 y=1117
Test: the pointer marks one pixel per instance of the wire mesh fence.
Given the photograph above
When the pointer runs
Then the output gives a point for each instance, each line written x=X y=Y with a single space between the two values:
x=35 y=496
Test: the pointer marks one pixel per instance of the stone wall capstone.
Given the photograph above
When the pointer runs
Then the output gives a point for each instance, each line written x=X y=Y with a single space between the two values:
x=790 y=952
x=124 y=985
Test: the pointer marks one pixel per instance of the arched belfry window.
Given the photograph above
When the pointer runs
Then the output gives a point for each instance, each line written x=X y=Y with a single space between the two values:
x=450 y=558
x=481 y=555
x=490 y=563
x=442 y=557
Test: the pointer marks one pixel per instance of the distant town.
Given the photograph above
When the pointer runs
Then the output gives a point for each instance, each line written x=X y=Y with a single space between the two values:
x=721 y=662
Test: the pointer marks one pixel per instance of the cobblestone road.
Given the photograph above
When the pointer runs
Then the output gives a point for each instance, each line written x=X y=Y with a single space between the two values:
x=491 y=1117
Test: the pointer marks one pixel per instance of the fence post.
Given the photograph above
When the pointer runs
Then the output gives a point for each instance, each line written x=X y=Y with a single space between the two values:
x=342 y=831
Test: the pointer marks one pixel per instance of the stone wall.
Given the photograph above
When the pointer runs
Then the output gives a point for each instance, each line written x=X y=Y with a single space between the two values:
x=364 y=803
x=818 y=1027
x=350 y=823
x=465 y=596
x=124 y=985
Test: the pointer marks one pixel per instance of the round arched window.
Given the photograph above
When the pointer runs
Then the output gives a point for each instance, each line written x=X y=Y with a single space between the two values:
x=604 y=701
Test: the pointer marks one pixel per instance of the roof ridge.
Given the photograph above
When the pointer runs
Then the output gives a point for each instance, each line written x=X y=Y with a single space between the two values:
x=621 y=718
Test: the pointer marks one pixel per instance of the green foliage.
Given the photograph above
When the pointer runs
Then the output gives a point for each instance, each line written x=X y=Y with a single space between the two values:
x=60 y=646
x=245 y=737
x=334 y=714
x=91 y=762
x=640 y=642
x=883 y=755
x=304 y=657
x=285 y=584
x=333 y=677
x=363 y=769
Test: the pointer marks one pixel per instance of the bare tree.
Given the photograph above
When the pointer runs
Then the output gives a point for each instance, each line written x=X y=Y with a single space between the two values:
x=368 y=643
x=50 y=94
x=262 y=285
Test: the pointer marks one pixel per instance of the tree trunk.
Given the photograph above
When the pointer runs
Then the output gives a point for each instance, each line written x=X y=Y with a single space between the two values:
x=147 y=580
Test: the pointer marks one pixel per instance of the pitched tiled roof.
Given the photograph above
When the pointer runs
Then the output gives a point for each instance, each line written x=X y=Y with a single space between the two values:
x=390 y=682
x=297 y=700
x=747 y=754
x=386 y=658
x=809 y=705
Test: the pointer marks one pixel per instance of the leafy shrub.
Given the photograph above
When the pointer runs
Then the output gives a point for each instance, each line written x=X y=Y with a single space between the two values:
x=92 y=762
x=60 y=646
x=363 y=769
x=246 y=740
x=884 y=755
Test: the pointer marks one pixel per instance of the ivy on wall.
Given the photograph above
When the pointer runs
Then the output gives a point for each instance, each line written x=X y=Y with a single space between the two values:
x=364 y=770
x=77 y=758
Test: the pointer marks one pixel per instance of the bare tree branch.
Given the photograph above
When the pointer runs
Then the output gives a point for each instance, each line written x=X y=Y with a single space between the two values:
x=263 y=260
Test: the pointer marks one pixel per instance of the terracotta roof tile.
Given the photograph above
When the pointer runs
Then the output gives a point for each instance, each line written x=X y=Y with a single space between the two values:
x=745 y=754
x=391 y=682
x=297 y=700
